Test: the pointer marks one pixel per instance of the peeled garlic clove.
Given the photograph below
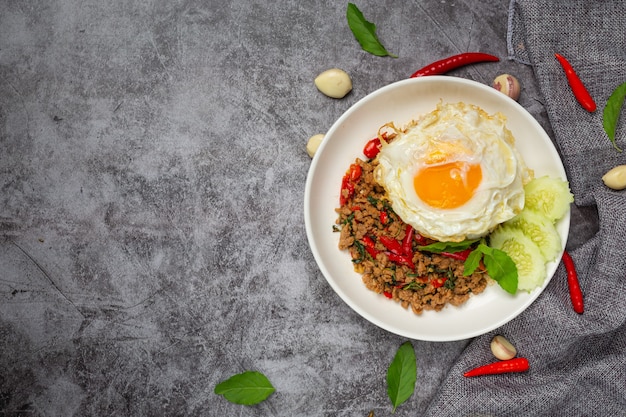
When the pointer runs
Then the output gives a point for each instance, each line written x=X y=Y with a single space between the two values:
x=507 y=84
x=334 y=83
x=313 y=143
x=615 y=178
x=502 y=348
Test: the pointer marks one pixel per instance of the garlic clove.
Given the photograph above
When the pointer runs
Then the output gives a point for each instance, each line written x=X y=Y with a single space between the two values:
x=313 y=143
x=502 y=348
x=335 y=83
x=507 y=84
x=615 y=178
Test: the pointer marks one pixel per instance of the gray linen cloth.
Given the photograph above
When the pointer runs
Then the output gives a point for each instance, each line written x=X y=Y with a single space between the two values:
x=578 y=362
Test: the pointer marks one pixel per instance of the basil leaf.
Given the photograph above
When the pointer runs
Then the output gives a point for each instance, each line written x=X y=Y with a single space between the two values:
x=365 y=32
x=247 y=388
x=472 y=262
x=401 y=375
x=612 y=111
x=500 y=267
x=439 y=247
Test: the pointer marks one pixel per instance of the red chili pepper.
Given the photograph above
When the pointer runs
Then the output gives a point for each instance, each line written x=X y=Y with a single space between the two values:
x=401 y=259
x=387 y=294
x=576 y=84
x=407 y=242
x=350 y=188
x=384 y=217
x=355 y=172
x=391 y=244
x=575 y=292
x=460 y=255
x=500 y=367
x=372 y=252
x=439 y=282
x=344 y=197
x=368 y=241
x=372 y=148
x=355 y=208
x=347 y=183
x=455 y=61
x=370 y=246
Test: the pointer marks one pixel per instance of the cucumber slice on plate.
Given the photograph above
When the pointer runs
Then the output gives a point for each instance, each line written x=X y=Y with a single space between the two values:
x=540 y=230
x=531 y=267
x=548 y=196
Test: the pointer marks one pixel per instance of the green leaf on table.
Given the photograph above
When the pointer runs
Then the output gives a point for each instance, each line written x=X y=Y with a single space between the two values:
x=500 y=267
x=612 y=110
x=401 y=375
x=247 y=388
x=365 y=32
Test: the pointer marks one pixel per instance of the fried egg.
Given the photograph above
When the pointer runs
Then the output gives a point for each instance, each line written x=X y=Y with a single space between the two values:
x=454 y=174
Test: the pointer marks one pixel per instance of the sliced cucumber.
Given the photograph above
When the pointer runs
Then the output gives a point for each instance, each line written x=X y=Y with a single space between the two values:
x=540 y=230
x=548 y=196
x=531 y=268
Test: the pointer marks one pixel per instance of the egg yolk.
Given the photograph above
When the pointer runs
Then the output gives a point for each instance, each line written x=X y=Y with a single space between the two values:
x=448 y=185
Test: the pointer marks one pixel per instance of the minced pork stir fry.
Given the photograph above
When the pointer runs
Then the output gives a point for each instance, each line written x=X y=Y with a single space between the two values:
x=385 y=250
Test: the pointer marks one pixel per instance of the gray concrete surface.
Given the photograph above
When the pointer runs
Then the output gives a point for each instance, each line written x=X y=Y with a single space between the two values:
x=152 y=172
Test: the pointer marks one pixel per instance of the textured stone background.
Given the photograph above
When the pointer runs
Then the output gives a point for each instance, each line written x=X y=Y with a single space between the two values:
x=152 y=171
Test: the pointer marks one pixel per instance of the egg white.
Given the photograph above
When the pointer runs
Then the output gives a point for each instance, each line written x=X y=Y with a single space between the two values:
x=455 y=132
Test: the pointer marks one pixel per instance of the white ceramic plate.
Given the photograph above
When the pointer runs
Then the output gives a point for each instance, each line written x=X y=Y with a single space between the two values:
x=401 y=102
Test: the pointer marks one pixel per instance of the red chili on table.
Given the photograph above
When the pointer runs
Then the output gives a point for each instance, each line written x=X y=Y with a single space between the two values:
x=576 y=84
x=455 y=61
x=500 y=367
x=575 y=292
